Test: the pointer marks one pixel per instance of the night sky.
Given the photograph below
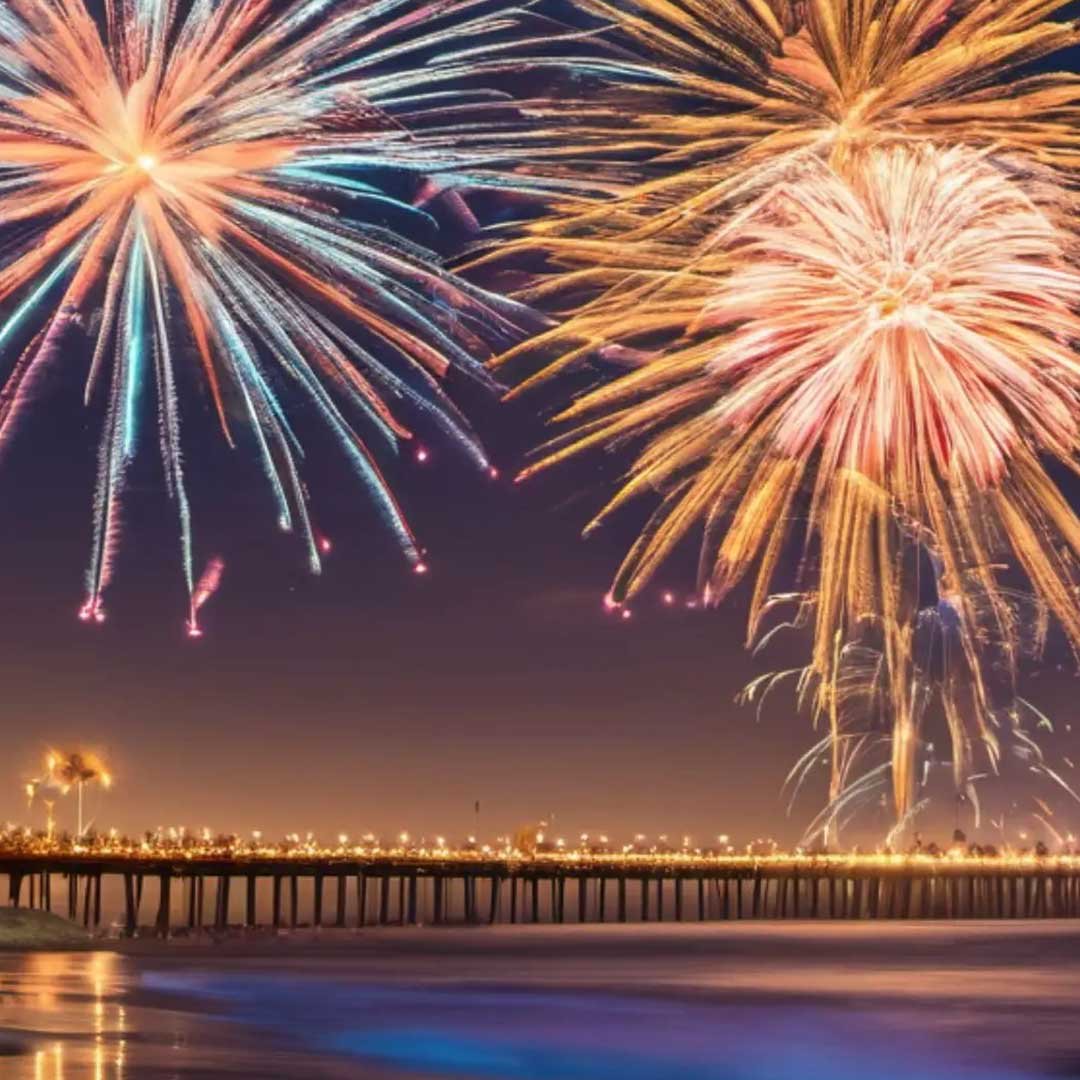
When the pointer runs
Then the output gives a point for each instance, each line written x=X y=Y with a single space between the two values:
x=370 y=698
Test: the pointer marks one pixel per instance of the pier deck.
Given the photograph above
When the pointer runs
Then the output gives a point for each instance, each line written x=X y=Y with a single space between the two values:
x=212 y=892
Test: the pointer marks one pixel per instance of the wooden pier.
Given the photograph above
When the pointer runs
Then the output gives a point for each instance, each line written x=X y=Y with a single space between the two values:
x=200 y=893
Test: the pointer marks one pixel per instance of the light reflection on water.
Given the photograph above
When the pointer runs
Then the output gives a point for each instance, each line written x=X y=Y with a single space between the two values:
x=87 y=1016
x=38 y=1000
x=727 y=1002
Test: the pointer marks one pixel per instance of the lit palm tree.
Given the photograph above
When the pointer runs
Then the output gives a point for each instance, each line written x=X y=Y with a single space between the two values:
x=48 y=788
x=76 y=770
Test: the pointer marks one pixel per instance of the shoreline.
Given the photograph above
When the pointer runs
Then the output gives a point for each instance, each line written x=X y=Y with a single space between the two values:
x=862 y=936
x=23 y=932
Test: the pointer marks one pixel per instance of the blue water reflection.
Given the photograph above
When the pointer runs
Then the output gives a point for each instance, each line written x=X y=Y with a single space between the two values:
x=517 y=1035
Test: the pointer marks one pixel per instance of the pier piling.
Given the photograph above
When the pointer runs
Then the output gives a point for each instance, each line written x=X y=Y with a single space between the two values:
x=829 y=888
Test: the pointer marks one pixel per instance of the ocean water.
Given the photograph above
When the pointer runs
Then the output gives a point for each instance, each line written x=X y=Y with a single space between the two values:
x=750 y=1001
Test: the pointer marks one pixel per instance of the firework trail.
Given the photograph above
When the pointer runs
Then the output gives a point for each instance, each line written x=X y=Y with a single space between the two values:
x=840 y=288
x=984 y=701
x=207 y=585
x=205 y=186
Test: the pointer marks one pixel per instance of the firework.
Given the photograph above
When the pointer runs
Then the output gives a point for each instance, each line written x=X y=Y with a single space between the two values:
x=208 y=186
x=983 y=700
x=709 y=94
x=882 y=348
x=808 y=302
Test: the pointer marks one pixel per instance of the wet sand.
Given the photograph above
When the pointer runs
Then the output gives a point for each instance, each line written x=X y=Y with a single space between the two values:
x=751 y=1001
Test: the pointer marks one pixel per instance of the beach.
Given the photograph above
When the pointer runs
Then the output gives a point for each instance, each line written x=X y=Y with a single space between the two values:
x=753 y=1001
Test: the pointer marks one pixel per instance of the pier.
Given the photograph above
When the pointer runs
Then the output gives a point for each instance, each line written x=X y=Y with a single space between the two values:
x=196 y=892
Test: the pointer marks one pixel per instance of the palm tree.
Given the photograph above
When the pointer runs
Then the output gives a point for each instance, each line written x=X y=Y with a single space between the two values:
x=48 y=788
x=77 y=770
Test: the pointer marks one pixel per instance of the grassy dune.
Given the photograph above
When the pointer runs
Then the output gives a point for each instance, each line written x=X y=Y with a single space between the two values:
x=22 y=929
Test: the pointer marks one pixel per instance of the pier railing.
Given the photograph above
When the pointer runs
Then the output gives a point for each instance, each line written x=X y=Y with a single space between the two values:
x=196 y=891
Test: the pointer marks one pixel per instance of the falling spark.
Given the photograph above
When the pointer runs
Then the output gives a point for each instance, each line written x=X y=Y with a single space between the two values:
x=207 y=585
